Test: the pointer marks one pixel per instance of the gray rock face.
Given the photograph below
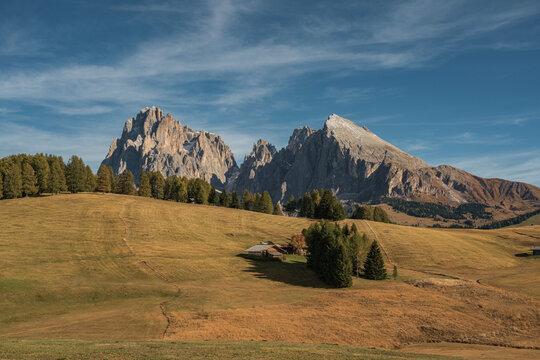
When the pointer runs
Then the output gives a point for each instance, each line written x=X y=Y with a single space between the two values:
x=154 y=142
x=357 y=165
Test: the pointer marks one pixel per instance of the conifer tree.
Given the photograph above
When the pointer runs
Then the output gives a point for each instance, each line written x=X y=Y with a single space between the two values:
x=104 y=181
x=354 y=229
x=42 y=171
x=277 y=210
x=290 y=205
x=340 y=266
x=257 y=202
x=181 y=193
x=198 y=190
x=158 y=184
x=75 y=175
x=57 y=180
x=224 y=198
x=12 y=182
x=90 y=181
x=247 y=201
x=126 y=185
x=29 y=181
x=112 y=177
x=213 y=196
x=308 y=207
x=170 y=188
x=374 y=266
x=235 y=201
x=145 y=189
x=336 y=211
x=267 y=206
x=380 y=215
x=395 y=273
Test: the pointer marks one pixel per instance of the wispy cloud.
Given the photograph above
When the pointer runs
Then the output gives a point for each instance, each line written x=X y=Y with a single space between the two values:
x=473 y=138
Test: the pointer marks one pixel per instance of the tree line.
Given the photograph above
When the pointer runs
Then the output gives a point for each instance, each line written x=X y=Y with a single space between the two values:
x=512 y=221
x=427 y=209
x=373 y=213
x=336 y=254
x=29 y=175
x=319 y=204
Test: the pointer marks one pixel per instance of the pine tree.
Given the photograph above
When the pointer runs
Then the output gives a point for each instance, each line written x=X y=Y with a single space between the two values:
x=380 y=215
x=247 y=201
x=224 y=198
x=90 y=181
x=290 y=205
x=112 y=177
x=158 y=184
x=308 y=207
x=198 y=190
x=145 y=189
x=170 y=188
x=126 y=185
x=29 y=181
x=213 y=196
x=374 y=266
x=336 y=211
x=257 y=202
x=12 y=182
x=354 y=229
x=57 y=180
x=181 y=193
x=235 y=201
x=340 y=266
x=42 y=171
x=277 y=210
x=104 y=181
x=267 y=206
x=395 y=273
x=75 y=175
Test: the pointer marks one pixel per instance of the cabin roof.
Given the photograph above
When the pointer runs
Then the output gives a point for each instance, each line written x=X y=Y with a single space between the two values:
x=259 y=247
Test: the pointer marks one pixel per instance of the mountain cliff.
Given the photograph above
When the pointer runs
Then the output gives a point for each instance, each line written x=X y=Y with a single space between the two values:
x=155 y=142
x=359 y=166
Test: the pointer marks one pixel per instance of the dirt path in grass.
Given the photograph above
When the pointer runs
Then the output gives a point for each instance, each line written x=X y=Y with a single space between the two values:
x=148 y=267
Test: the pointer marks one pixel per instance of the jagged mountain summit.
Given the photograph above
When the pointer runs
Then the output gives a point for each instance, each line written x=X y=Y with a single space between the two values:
x=155 y=142
x=357 y=165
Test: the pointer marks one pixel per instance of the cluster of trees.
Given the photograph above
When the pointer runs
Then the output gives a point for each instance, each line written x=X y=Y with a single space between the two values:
x=370 y=213
x=427 y=209
x=182 y=189
x=512 y=221
x=319 y=204
x=29 y=175
x=335 y=254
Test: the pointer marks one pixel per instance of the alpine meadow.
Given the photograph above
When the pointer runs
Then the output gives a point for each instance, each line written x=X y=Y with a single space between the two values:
x=320 y=180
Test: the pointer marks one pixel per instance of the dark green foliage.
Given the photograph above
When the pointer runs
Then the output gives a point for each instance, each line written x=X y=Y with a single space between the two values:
x=176 y=189
x=263 y=203
x=427 y=209
x=198 y=191
x=395 y=273
x=12 y=181
x=126 y=185
x=42 y=171
x=308 y=207
x=371 y=213
x=247 y=200
x=321 y=205
x=277 y=210
x=329 y=254
x=224 y=198
x=235 y=201
x=145 y=189
x=354 y=229
x=374 y=266
x=76 y=175
x=104 y=180
x=213 y=196
x=512 y=221
x=29 y=181
x=157 y=183
x=57 y=179
x=290 y=205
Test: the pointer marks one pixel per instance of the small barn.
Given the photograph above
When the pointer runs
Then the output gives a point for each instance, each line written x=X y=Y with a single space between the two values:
x=535 y=250
x=265 y=250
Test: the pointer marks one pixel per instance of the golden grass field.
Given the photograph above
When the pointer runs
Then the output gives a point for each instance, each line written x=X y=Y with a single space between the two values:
x=95 y=266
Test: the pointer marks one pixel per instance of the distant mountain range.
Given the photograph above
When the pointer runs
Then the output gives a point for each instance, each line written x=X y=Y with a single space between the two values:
x=349 y=159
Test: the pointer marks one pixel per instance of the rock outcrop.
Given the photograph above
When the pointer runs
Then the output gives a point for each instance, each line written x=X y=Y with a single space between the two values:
x=359 y=166
x=155 y=142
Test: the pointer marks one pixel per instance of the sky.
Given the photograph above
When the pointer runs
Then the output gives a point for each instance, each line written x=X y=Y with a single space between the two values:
x=452 y=82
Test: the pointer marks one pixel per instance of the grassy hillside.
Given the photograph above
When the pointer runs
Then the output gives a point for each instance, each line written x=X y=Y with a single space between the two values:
x=94 y=266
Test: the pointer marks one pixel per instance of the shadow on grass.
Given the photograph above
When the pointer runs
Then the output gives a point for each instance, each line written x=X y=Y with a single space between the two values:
x=527 y=255
x=289 y=272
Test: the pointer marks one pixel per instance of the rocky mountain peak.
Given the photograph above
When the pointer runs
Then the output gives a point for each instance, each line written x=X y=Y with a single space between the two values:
x=155 y=142
x=298 y=137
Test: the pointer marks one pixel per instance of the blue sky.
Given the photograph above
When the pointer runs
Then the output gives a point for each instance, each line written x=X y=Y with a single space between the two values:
x=453 y=82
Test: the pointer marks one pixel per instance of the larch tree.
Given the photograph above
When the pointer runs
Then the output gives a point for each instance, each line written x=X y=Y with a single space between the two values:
x=12 y=182
x=29 y=181
x=42 y=171
x=57 y=179
x=224 y=198
x=235 y=201
x=104 y=181
x=213 y=197
x=145 y=188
